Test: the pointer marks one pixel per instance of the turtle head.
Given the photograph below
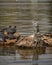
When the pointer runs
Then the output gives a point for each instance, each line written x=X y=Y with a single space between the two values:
x=10 y=26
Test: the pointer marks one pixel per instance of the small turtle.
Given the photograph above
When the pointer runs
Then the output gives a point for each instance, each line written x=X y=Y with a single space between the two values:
x=11 y=30
x=4 y=28
x=2 y=37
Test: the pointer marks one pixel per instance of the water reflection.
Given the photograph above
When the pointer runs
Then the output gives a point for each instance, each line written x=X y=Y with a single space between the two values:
x=28 y=53
x=34 y=56
x=7 y=51
x=48 y=50
x=24 y=53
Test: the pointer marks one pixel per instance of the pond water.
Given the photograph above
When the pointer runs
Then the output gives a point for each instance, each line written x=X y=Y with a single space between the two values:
x=23 y=56
x=22 y=13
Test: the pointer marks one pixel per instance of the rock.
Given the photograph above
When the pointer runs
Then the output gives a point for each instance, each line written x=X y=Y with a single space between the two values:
x=26 y=41
x=47 y=40
x=8 y=41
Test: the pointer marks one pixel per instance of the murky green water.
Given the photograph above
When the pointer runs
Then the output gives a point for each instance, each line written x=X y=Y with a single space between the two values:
x=22 y=13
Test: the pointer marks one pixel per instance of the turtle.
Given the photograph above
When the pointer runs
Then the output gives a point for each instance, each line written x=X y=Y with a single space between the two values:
x=11 y=36
x=11 y=30
x=2 y=37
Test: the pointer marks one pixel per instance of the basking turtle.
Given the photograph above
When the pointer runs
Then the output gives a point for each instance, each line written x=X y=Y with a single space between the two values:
x=10 y=36
x=5 y=29
x=2 y=37
x=11 y=30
